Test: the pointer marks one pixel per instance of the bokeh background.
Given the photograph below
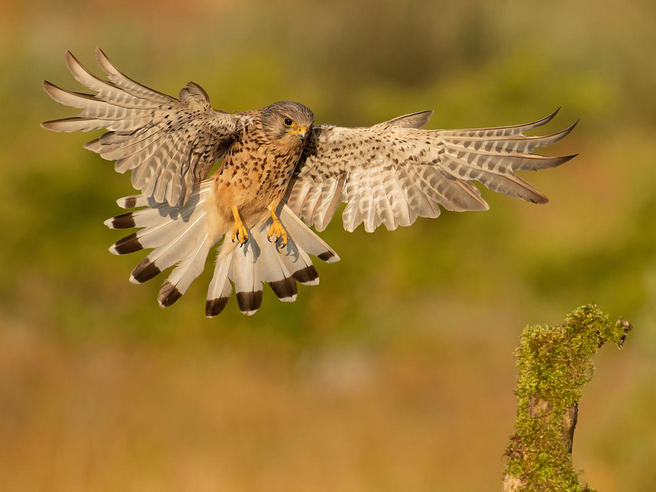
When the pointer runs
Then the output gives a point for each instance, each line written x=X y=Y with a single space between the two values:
x=397 y=373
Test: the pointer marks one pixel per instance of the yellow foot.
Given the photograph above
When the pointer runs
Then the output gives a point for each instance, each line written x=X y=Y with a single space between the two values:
x=239 y=232
x=277 y=231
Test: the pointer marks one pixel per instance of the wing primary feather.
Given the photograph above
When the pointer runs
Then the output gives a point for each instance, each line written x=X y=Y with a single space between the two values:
x=127 y=84
x=150 y=133
x=502 y=130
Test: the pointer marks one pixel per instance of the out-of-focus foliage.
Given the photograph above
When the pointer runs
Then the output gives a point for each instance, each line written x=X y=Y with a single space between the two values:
x=396 y=373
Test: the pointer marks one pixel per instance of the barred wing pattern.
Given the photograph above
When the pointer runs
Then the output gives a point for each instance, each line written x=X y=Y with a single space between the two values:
x=393 y=172
x=169 y=144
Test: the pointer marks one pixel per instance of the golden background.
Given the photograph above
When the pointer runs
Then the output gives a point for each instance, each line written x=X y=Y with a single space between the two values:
x=397 y=372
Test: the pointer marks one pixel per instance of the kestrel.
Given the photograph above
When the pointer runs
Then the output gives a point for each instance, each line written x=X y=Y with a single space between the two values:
x=280 y=175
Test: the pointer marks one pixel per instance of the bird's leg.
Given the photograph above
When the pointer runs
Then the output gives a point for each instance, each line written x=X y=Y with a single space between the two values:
x=239 y=232
x=276 y=230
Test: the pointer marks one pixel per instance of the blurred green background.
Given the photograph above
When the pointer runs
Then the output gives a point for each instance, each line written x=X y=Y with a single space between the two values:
x=397 y=373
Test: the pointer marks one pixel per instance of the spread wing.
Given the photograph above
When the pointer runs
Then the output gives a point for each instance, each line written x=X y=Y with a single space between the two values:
x=169 y=144
x=393 y=172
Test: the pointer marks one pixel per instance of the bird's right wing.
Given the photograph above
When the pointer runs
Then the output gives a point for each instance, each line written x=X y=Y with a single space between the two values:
x=169 y=144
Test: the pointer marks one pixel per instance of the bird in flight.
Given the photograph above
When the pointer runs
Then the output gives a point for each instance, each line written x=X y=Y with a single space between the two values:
x=280 y=175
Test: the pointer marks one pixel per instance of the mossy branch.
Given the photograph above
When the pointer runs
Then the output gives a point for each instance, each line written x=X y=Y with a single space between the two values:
x=554 y=364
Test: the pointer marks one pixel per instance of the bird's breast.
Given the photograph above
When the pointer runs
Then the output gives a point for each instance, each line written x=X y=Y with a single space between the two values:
x=252 y=177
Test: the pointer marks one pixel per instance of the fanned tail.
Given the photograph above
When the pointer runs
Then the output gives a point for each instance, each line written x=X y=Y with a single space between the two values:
x=182 y=238
x=179 y=237
x=260 y=261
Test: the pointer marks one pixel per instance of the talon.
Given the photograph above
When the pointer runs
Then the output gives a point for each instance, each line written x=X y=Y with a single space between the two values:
x=239 y=232
x=277 y=231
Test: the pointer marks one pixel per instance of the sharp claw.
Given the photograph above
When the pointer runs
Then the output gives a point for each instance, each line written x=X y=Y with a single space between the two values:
x=239 y=232
x=239 y=237
x=277 y=233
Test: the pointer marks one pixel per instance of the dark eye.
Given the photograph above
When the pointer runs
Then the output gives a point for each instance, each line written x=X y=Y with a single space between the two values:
x=288 y=122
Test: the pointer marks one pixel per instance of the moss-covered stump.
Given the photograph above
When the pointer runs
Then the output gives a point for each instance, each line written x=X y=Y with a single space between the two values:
x=554 y=364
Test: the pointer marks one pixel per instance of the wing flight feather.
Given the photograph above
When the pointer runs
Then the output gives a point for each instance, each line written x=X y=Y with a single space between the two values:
x=169 y=144
x=393 y=172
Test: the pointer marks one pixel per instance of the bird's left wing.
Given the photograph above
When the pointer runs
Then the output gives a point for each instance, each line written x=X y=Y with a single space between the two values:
x=393 y=172
x=169 y=144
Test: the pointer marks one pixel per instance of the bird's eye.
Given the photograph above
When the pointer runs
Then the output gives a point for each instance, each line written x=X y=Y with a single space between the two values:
x=288 y=122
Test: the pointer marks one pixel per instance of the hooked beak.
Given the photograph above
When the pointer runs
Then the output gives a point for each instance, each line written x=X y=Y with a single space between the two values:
x=300 y=132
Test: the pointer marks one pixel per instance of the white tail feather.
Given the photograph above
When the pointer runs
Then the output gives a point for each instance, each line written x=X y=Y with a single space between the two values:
x=185 y=273
x=183 y=238
x=304 y=236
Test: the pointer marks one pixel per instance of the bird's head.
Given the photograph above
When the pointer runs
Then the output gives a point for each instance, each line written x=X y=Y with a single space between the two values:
x=287 y=123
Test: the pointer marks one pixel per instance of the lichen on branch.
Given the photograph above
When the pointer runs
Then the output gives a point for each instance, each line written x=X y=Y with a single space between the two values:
x=554 y=363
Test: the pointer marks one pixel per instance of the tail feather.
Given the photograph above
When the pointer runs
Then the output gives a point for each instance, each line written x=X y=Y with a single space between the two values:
x=132 y=201
x=185 y=273
x=243 y=274
x=297 y=261
x=168 y=254
x=182 y=238
x=220 y=287
x=177 y=236
x=259 y=260
x=312 y=243
x=271 y=268
x=159 y=234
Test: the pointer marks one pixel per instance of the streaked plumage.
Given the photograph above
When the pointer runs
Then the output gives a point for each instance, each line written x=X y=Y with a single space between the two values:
x=280 y=174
